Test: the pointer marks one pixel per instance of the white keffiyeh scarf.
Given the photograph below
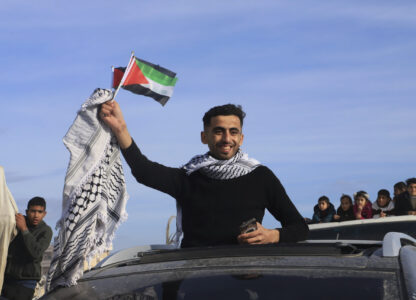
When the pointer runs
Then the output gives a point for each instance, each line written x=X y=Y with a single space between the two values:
x=239 y=165
x=8 y=231
x=94 y=197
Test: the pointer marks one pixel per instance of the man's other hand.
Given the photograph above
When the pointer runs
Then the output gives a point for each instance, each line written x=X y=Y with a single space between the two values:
x=21 y=222
x=260 y=236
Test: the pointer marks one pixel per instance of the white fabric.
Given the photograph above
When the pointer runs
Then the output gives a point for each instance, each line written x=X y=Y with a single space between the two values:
x=94 y=196
x=375 y=206
x=239 y=165
x=8 y=231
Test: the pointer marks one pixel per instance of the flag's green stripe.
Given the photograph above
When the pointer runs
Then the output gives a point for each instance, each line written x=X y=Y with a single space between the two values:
x=159 y=68
x=155 y=75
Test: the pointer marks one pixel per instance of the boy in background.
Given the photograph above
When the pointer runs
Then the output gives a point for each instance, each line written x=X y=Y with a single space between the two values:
x=383 y=206
x=324 y=211
x=345 y=211
x=23 y=269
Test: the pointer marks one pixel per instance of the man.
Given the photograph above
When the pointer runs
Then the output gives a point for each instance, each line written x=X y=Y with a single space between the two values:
x=406 y=201
x=23 y=269
x=218 y=191
x=399 y=187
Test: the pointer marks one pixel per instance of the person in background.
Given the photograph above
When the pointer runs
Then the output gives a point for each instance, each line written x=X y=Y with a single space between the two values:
x=345 y=211
x=406 y=201
x=324 y=211
x=383 y=206
x=23 y=269
x=362 y=206
x=399 y=188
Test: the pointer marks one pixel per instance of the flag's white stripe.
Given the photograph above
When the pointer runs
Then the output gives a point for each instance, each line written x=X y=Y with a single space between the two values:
x=158 y=88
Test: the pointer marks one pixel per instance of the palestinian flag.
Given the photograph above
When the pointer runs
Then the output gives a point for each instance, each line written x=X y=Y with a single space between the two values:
x=144 y=78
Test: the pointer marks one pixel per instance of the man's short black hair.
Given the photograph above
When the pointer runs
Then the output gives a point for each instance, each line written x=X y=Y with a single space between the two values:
x=384 y=192
x=36 y=201
x=400 y=185
x=224 y=110
x=410 y=181
x=323 y=198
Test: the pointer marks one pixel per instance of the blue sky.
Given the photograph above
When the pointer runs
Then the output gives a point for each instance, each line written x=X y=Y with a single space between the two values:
x=328 y=86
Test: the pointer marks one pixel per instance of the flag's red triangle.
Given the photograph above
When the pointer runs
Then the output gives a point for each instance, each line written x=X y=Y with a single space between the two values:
x=135 y=76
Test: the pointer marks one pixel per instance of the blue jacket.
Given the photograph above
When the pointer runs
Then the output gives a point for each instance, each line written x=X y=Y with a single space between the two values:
x=323 y=216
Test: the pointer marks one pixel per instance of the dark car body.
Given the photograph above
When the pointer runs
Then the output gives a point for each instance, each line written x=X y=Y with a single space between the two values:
x=310 y=270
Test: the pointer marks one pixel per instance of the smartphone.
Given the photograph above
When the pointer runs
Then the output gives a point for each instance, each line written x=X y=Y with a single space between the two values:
x=248 y=226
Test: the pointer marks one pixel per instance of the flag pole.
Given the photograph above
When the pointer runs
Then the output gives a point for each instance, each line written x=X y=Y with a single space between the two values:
x=124 y=75
x=112 y=77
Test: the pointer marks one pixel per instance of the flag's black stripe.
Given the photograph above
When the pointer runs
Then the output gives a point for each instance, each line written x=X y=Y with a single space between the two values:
x=141 y=90
x=122 y=69
x=159 y=68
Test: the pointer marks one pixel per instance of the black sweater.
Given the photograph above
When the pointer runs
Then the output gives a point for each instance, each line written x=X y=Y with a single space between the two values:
x=403 y=204
x=212 y=210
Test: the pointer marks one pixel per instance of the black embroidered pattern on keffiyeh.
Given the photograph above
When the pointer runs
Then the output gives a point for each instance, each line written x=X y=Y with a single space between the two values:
x=240 y=164
x=94 y=197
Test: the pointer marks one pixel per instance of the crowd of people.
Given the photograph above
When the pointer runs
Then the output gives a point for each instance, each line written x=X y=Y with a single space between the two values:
x=360 y=206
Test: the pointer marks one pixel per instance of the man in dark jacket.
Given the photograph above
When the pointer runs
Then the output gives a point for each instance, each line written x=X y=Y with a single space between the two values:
x=23 y=269
x=406 y=201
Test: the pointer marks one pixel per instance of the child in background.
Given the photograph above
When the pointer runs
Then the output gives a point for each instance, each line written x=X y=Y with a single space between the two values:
x=362 y=206
x=345 y=212
x=383 y=206
x=324 y=211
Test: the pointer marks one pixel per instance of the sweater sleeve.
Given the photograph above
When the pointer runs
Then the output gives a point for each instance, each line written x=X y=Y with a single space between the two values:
x=294 y=227
x=36 y=246
x=315 y=218
x=154 y=175
x=328 y=218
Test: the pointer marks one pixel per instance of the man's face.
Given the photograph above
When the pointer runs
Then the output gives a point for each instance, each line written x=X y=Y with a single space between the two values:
x=223 y=136
x=322 y=205
x=411 y=188
x=382 y=200
x=35 y=214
